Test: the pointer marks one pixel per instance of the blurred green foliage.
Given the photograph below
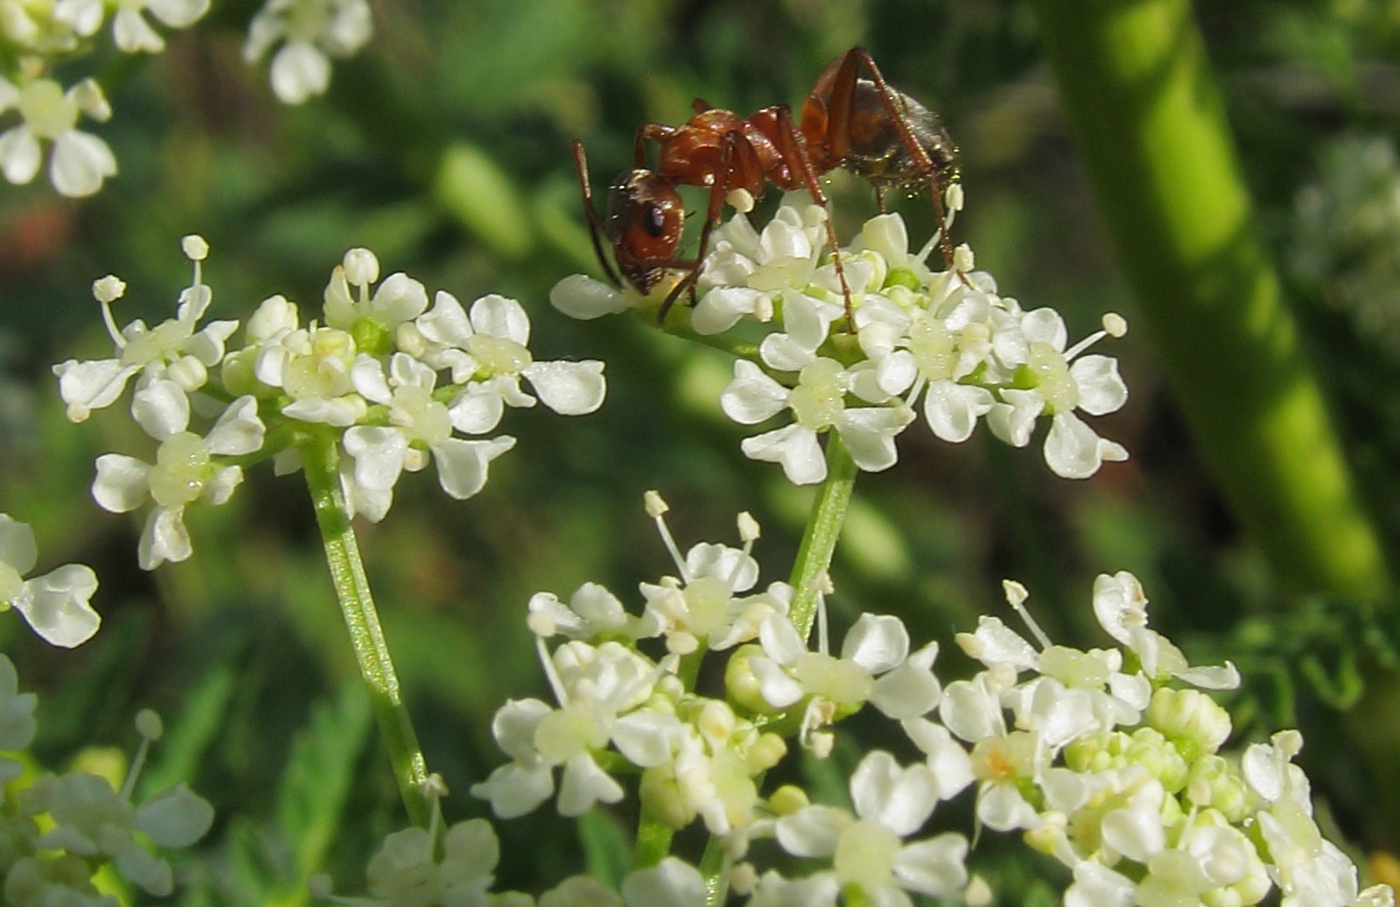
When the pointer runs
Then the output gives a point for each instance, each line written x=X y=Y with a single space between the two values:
x=445 y=148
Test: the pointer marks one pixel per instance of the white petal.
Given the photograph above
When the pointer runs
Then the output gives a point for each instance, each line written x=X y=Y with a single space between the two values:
x=86 y=386
x=299 y=70
x=901 y=799
x=584 y=784
x=56 y=605
x=785 y=353
x=1014 y=419
x=176 y=817
x=147 y=870
x=501 y=317
x=896 y=372
x=379 y=454
x=936 y=867
x=477 y=409
x=1047 y=326
x=670 y=883
x=906 y=692
x=121 y=484
x=20 y=155
x=1074 y=451
x=721 y=308
x=585 y=298
x=568 y=388
x=795 y=447
x=752 y=396
x=462 y=465
x=178 y=13
x=132 y=33
x=17 y=546
x=811 y=831
x=869 y=433
x=239 y=431
x=80 y=163
x=876 y=642
x=165 y=538
x=952 y=409
x=515 y=789
x=446 y=322
x=1001 y=807
x=777 y=687
x=370 y=381
x=1101 y=389
x=161 y=409
x=1095 y=885
x=645 y=737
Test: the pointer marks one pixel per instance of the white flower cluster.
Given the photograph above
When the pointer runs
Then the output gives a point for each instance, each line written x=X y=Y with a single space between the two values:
x=943 y=343
x=309 y=33
x=62 y=830
x=369 y=375
x=1109 y=760
x=37 y=35
x=55 y=604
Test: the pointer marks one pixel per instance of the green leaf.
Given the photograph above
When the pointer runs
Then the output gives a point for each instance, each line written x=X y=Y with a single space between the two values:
x=318 y=778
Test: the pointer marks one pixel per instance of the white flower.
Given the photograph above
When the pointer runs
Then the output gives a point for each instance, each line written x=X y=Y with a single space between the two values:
x=80 y=161
x=55 y=604
x=130 y=30
x=185 y=471
x=405 y=869
x=92 y=819
x=1120 y=604
x=310 y=32
x=487 y=351
x=817 y=404
x=867 y=850
x=748 y=270
x=1062 y=381
x=172 y=351
x=670 y=883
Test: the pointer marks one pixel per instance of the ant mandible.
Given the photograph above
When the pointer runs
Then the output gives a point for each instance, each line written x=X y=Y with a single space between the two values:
x=864 y=125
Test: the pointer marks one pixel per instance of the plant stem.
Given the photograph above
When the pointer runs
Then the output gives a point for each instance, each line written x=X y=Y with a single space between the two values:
x=823 y=528
x=653 y=842
x=319 y=459
x=1151 y=130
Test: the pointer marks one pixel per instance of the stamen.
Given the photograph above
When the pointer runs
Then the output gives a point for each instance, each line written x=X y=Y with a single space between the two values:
x=106 y=291
x=1016 y=596
x=148 y=725
x=1116 y=325
x=556 y=683
x=929 y=246
x=823 y=628
x=656 y=508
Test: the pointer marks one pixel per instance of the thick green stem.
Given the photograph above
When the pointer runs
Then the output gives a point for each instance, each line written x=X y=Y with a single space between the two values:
x=653 y=842
x=319 y=459
x=1150 y=128
x=823 y=529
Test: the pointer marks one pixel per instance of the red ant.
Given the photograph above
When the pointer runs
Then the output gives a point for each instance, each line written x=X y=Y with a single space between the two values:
x=864 y=125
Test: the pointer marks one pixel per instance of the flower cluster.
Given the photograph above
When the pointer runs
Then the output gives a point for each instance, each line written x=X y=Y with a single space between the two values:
x=307 y=33
x=389 y=379
x=941 y=343
x=1109 y=760
x=55 y=604
x=62 y=830
x=36 y=36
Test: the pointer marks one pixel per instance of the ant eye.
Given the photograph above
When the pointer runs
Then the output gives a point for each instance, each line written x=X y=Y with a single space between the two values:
x=654 y=220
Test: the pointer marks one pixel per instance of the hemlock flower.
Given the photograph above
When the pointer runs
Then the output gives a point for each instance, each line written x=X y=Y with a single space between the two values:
x=80 y=162
x=130 y=29
x=55 y=604
x=310 y=32
x=867 y=850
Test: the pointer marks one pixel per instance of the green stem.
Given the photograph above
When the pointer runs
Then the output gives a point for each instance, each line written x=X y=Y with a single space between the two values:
x=653 y=842
x=714 y=869
x=823 y=528
x=320 y=461
x=1150 y=127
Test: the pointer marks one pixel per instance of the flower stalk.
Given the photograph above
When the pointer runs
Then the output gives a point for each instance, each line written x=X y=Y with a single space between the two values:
x=823 y=529
x=320 y=461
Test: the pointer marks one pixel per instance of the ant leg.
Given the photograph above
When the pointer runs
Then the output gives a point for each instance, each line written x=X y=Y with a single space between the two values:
x=657 y=132
x=791 y=148
x=595 y=223
x=916 y=151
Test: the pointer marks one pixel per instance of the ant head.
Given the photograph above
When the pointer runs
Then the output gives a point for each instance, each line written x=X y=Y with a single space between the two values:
x=644 y=223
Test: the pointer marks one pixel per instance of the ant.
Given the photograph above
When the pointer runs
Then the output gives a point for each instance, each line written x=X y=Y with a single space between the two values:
x=875 y=131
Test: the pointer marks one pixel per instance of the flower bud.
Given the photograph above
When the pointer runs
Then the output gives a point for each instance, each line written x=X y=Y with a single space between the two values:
x=1194 y=721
